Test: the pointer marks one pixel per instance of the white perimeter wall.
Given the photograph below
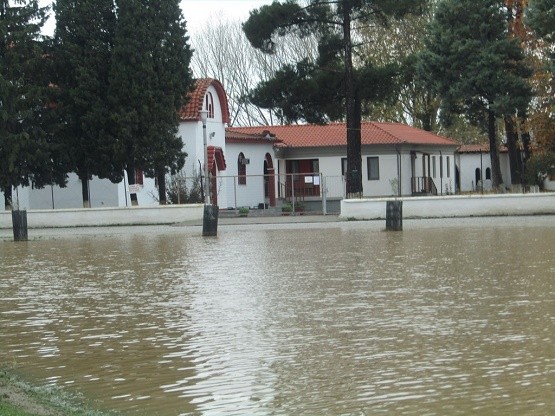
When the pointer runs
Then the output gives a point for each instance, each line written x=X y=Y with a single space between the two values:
x=453 y=206
x=96 y=217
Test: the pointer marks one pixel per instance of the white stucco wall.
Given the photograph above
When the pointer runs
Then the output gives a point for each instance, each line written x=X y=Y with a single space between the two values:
x=469 y=162
x=103 y=193
x=20 y=196
x=192 y=136
x=96 y=217
x=146 y=197
x=252 y=193
x=193 y=143
x=453 y=206
x=387 y=173
x=330 y=167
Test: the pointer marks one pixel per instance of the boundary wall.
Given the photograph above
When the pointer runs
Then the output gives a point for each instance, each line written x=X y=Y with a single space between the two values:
x=101 y=217
x=453 y=206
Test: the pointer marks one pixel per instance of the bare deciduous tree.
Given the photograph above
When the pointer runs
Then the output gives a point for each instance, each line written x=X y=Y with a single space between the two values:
x=223 y=52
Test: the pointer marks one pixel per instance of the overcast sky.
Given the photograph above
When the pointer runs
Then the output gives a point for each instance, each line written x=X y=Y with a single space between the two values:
x=198 y=12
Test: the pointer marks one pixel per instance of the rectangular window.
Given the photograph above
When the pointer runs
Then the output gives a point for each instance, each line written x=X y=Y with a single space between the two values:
x=434 y=166
x=343 y=166
x=373 y=165
x=139 y=177
x=295 y=169
x=448 y=168
x=315 y=166
x=241 y=170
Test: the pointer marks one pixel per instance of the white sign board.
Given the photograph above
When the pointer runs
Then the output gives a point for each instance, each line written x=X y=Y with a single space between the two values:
x=134 y=189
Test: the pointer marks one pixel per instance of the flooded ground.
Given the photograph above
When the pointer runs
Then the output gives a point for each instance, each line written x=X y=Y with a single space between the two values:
x=446 y=317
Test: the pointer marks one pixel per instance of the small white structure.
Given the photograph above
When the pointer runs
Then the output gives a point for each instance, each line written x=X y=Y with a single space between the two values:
x=474 y=167
x=251 y=179
x=549 y=183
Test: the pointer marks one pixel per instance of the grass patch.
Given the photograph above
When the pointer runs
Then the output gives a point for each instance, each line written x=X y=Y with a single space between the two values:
x=6 y=409
x=19 y=398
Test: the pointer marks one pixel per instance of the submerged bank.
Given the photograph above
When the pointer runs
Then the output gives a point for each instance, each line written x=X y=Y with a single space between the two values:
x=19 y=398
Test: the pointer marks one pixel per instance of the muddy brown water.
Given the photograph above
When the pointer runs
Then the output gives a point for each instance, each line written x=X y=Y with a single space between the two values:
x=446 y=317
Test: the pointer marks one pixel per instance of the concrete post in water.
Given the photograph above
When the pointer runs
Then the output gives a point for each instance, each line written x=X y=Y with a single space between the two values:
x=394 y=216
x=210 y=217
x=19 y=222
x=210 y=221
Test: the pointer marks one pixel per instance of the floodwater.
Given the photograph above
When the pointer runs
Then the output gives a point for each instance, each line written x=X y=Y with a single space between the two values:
x=446 y=317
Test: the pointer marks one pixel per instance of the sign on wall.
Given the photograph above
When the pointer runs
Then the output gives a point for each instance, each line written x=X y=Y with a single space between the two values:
x=135 y=189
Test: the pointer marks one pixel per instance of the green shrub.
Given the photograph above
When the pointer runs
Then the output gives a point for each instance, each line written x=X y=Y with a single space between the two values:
x=287 y=208
x=539 y=167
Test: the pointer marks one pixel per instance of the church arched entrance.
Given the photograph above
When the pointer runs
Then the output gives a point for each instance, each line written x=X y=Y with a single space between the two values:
x=269 y=181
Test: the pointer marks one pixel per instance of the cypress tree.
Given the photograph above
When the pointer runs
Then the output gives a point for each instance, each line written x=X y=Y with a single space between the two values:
x=171 y=58
x=475 y=67
x=83 y=46
x=27 y=147
x=149 y=78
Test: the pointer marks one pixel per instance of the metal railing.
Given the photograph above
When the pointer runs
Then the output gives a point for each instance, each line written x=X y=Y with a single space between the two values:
x=423 y=185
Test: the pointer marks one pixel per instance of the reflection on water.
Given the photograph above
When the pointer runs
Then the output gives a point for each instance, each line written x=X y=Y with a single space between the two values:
x=326 y=319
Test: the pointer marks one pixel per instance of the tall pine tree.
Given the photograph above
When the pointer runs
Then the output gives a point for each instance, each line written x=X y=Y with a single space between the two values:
x=475 y=67
x=149 y=79
x=83 y=45
x=27 y=147
x=541 y=17
x=315 y=91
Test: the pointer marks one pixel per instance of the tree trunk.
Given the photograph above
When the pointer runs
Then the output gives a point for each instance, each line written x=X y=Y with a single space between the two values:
x=514 y=155
x=161 y=175
x=84 y=178
x=353 y=118
x=8 y=198
x=496 y=178
x=131 y=181
x=525 y=137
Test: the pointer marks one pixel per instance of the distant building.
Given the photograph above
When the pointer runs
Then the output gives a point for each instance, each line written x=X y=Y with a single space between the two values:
x=396 y=159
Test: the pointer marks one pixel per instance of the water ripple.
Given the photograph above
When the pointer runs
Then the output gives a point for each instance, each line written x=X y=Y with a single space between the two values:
x=337 y=319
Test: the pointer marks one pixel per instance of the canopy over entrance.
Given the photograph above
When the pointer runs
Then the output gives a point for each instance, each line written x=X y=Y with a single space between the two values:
x=216 y=154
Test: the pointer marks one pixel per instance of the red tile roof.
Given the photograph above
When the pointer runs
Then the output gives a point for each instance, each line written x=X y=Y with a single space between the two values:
x=217 y=154
x=479 y=148
x=334 y=134
x=232 y=136
x=196 y=100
